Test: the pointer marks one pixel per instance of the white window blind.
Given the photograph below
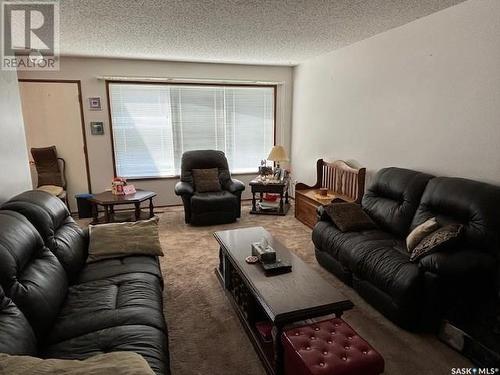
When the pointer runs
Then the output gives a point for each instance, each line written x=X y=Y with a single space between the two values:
x=153 y=125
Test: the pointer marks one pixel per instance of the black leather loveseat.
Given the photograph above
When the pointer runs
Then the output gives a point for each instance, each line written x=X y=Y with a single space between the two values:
x=376 y=263
x=54 y=305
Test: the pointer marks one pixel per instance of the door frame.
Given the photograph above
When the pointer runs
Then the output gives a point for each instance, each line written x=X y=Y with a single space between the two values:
x=82 y=117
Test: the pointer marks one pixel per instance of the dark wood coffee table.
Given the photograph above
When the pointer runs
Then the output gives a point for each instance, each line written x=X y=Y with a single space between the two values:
x=108 y=201
x=278 y=300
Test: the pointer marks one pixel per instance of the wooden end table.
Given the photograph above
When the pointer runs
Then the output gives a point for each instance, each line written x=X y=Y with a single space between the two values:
x=280 y=188
x=108 y=201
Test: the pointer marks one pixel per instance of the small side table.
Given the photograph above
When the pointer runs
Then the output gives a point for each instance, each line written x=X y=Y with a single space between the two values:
x=108 y=201
x=280 y=188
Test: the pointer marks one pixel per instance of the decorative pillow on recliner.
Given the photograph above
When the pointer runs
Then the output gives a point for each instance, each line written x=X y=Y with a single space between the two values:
x=206 y=180
x=116 y=240
x=349 y=217
x=124 y=363
x=438 y=240
x=420 y=232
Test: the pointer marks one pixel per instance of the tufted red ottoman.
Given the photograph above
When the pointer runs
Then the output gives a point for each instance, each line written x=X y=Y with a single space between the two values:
x=329 y=347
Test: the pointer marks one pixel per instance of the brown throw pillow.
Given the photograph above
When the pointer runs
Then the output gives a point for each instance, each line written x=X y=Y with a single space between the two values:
x=349 y=217
x=437 y=240
x=124 y=363
x=206 y=180
x=420 y=232
x=117 y=240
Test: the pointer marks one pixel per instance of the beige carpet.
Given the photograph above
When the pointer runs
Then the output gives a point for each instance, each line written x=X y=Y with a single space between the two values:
x=206 y=336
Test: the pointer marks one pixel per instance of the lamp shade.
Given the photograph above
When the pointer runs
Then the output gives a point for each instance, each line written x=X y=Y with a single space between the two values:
x=278 y=153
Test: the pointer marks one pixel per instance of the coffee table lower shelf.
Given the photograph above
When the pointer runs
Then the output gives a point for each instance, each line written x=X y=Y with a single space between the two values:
x=250 y=331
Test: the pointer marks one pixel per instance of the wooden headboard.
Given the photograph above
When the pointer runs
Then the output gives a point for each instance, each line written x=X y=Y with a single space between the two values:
x=340 y=179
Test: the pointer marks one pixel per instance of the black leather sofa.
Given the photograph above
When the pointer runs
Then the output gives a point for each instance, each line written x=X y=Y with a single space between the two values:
x=54 y=305
x=209 y=208
x=416 y=295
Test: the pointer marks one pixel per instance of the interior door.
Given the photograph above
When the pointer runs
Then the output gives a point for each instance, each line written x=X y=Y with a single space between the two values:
x=52 y=116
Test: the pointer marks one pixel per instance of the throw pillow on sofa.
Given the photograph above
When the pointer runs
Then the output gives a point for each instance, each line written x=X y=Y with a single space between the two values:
x=206 y=180
x=349 y=217
x=420 y=232
x=117 y=240
x=124 y=363
x=438 y=240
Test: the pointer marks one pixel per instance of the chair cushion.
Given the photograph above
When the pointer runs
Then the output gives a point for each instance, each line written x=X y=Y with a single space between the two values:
x=134 y=298
x=51 y=189
x=215 y=201
x=150 y=342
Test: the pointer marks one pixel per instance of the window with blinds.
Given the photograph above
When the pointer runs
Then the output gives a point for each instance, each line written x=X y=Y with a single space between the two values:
x=154 y=124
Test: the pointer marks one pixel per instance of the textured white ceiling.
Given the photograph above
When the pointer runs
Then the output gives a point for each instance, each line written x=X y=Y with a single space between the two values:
x=282 y=32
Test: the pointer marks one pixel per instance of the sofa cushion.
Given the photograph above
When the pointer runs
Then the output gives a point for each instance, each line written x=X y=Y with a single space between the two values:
x=123 y=363
x=53 y=221
x=134 y=298
x=393 y=198
x=16 y=334
x=222 y=201
x=150 y=342
x=473 y=204
x=327 y=237
x=30 y=273
x=120 y=266
x=386 y=264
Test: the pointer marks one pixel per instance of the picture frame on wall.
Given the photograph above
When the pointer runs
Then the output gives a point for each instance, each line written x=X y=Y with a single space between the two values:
x=97 y=128
x=95 y=103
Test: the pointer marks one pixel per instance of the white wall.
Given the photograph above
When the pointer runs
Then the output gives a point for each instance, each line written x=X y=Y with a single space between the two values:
x=99 y=147
x=424 y=96
x=14 y=166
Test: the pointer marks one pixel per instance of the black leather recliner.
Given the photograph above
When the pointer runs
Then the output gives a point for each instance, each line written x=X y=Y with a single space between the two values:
x=212 y=207
x=376 y=263
x=54 y=305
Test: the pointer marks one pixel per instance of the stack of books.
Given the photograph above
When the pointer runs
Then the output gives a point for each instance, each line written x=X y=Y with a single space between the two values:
x=269 y=206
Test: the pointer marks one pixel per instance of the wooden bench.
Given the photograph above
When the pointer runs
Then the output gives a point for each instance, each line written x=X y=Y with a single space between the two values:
x=342 y=181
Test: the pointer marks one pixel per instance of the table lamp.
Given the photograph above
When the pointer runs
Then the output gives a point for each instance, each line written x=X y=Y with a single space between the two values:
x=277 y=154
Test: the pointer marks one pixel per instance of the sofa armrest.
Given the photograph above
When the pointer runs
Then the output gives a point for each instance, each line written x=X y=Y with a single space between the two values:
x=234 y=186
x=183 y=188
x=460 y=263
x=322 y=215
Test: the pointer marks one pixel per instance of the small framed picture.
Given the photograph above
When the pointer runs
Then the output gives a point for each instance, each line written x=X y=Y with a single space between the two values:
x=97 y=128
x=95 y=103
